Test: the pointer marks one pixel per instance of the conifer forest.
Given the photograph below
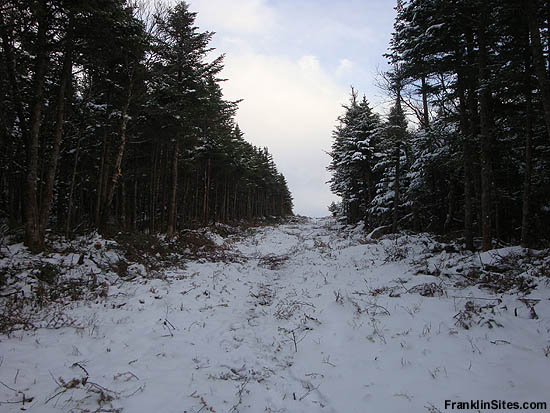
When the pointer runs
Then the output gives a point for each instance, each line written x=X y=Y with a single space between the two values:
x=113 y=118
x=473 y=76
x=154 y=259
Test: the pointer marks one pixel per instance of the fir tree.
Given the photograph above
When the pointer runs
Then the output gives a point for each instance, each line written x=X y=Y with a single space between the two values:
x=353 y=158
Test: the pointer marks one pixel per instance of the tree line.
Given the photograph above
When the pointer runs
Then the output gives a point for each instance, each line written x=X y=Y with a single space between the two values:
x=473 y=76
x=113 y=118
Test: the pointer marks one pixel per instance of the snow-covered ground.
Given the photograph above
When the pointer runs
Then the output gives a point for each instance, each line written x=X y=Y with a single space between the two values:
x=306 y=317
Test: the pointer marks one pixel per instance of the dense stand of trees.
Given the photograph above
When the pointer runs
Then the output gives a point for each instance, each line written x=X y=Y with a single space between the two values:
x=112 y=117
x=475 y=76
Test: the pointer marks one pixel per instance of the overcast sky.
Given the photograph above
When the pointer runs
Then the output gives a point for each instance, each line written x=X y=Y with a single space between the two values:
x=293 y=62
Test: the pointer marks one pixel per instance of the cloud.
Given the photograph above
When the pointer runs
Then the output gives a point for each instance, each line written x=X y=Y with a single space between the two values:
x=287 y=97
x=244 y=16
x=309 y=64
x=285 y=58
x=345 y=66
x=290 y=106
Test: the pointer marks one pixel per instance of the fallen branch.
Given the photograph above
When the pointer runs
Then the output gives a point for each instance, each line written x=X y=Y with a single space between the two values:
x=500 y=342
x=477 y=298
x=83 y=369
x=308 y=392
x=242 y=387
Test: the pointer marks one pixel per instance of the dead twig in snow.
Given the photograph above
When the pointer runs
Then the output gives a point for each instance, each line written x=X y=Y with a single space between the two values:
x=240 y=392
x=309 y=390
x=338 y=297
x=326 y=360
x=530 y=303
x=477 y=298
x=168 y=325
x=432 y=409
x=376 y=307
x=475 y=348
x=128 y=373
x=8 y=387
x=500 y=342
x=189 y=290
x=24 y=398
x=81 y=367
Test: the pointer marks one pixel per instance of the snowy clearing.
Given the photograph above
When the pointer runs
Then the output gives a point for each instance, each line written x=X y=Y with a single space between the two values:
x=304 y=317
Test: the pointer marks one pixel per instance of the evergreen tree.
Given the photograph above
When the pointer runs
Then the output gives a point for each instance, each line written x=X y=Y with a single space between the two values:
x=134 y=132
x=353 y=158
x=392 y=165
x=472 y=64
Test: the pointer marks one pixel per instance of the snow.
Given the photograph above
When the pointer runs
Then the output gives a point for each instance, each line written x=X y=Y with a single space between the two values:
x=306 y=317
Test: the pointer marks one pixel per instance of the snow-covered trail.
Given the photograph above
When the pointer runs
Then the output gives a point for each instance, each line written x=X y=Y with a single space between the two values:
x=309 y=319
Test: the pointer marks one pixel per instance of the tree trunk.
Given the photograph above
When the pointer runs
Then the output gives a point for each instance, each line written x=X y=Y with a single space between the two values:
x=173 y=192
x=163 y=194
x=198 y=198
x=396 y=187
x=486 y=130
x=17 y=204
x=153 y=191
x=101 y=182
x=10 y=68
x=135 y=206
x=538 y=59
x=123 y=206
x=249 y=204
x=450 y=208
x=525 y=228
x=206 y=192
x=236 y=212
x=468 y=213
x=73 y=180
x=117 y=171
x=225 y=196
x=32 y=213
x=66 y=76
x=467 y=165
